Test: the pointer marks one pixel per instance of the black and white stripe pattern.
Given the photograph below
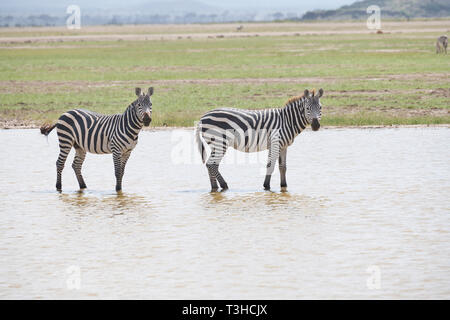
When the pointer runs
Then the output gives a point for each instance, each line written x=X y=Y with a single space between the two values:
x=88 y=131
x=256 y=130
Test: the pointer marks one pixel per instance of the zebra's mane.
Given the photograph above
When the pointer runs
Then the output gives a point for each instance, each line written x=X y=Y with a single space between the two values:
x=131 y=106
x=294 y=99
x=297 y=98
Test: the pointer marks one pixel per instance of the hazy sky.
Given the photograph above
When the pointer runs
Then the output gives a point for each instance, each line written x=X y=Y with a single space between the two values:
x=323 y=4
x=227 y=4
x=318 y=4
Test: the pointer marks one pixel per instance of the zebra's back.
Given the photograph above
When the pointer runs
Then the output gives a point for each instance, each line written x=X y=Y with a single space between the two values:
x=243 y=129
x=85 y=129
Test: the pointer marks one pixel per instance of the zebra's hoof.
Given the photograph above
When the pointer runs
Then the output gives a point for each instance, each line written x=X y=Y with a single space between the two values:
x=267 y=188
x=83 y=186
x=224 y=187
x=284 y=189
x=214 y=189
x=58 y=187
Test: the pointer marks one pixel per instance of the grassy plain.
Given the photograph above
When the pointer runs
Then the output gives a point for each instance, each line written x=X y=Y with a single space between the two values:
x=369 y=79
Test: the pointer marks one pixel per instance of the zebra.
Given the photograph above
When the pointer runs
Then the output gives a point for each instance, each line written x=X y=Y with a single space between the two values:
x=256 y=130
x=88 y=131
x=442 y=41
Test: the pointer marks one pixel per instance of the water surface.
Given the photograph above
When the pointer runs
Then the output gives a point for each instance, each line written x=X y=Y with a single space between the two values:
x=366 y=215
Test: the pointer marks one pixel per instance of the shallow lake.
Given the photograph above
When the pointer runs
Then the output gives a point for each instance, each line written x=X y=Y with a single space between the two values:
x=366 y=215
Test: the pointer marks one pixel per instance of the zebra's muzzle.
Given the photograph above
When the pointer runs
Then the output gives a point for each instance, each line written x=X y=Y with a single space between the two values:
x=146 y=120
x=315 y=125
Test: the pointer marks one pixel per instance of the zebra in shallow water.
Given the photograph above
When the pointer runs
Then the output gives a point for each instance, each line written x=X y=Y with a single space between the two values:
x=442 y=41
x=88 y=131
x=256 y=130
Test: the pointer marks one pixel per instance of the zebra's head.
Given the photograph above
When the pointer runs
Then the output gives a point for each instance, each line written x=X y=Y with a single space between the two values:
x=143 y=106
x=313 y=108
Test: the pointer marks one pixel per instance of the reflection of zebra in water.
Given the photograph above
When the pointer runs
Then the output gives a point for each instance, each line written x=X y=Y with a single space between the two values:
x=256 y=130
x=87 y=131
x=442 y=41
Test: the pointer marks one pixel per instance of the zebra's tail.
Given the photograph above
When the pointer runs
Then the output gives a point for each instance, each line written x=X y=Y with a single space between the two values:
x=200 y=142
x=47 y=128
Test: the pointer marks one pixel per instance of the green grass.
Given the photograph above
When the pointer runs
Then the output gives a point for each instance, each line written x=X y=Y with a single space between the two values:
x=368 y=79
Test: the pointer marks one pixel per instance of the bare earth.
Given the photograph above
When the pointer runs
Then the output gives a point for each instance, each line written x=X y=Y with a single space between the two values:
x=55 y=86
x=197 y=31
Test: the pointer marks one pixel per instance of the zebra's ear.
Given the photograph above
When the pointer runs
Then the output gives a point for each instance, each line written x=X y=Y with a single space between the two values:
x=320 y=93
x=138 y=91
x=306 y=93
x=150 y=91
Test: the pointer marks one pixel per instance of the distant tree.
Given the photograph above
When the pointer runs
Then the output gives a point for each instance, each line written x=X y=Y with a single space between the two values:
x=278 y=16
x=115 y=20
x=291 y=16
x=8 y=20
x=190 y=17
x=213 y=17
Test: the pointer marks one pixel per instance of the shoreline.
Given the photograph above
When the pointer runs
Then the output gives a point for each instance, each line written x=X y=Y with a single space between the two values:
x=381 y=126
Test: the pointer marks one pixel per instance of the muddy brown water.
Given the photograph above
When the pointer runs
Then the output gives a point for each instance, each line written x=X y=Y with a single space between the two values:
x=366 y=215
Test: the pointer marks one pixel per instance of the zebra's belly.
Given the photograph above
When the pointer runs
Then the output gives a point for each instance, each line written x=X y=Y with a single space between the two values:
x=244 y=143
x=96 y=146
x=99 y=151
x=250 y=148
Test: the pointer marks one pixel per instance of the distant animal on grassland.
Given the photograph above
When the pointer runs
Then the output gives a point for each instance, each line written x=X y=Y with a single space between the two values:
x=441 y=44
x=88 y=131
x=240 y=28
x=256 y=130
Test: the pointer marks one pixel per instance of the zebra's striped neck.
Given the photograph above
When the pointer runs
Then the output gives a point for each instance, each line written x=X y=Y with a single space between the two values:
x=293 y=115
x=130 y=122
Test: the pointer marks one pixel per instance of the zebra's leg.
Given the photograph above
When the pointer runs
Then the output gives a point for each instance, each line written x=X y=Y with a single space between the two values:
x=63 y=153
x=223 y=184
x=125 y=157
x=117 y=158
x=282 y=166
x=270 y=167
x=80 y=155
x=274 y=152
x=213 y=169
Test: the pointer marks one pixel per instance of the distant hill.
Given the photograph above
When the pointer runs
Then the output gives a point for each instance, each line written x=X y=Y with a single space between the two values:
x=389 y=9
x=20 y=13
